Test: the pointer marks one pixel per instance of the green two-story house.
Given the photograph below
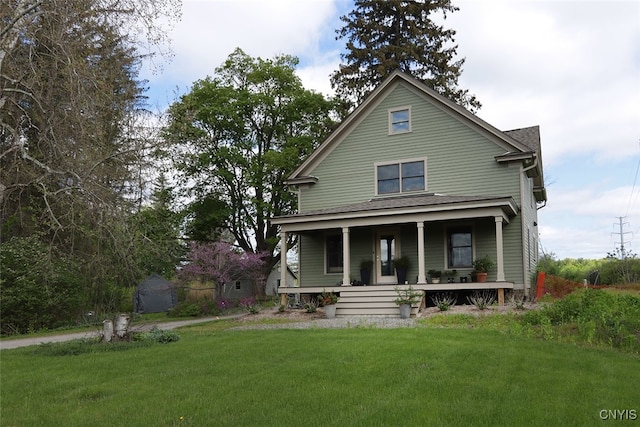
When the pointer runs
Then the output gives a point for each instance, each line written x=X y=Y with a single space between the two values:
x=410 y=173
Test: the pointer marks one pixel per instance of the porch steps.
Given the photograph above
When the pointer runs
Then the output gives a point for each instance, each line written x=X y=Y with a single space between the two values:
x=374 y=301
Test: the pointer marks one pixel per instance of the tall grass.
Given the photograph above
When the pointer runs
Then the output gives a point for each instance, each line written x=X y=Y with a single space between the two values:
x=321 y=377
x=592 y=316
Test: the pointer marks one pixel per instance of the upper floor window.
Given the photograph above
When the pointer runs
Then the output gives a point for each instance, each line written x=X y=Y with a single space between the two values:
x=401 y=177
x=399 y=120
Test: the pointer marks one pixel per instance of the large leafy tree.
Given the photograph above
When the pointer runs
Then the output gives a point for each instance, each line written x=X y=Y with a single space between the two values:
x=237 y=136
x=73 y=149
x=384 y=36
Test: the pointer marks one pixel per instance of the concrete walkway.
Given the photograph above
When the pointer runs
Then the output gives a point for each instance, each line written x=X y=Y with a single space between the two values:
x=7 y=344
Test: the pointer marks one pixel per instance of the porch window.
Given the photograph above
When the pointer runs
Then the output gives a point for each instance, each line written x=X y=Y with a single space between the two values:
x=460 y=249
x=333 y=253
x=399 y=120
x=401 y=177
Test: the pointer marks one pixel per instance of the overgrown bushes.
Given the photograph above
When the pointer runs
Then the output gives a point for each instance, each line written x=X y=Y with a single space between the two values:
x=593 y=316
x=36 y=293
x=612 y=270
x=94 y=345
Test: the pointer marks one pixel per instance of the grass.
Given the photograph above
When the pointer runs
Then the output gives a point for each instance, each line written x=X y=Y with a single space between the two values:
x=321 y=377
x=138 y=320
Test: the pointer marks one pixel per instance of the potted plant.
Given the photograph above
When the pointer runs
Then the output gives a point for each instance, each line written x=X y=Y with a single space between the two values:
x=450 y=274
x=401 y=264
x=481 y=267
x=435 y=275
x=365 y=271
x=406 y=298
x=329 y=301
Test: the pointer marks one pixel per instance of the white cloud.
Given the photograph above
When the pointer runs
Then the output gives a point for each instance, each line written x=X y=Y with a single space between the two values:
x=572 y=67
x=211 y=30
x=583 y=222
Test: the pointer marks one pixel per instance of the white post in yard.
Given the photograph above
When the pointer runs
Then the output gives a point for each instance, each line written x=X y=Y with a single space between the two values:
x=107 y=330
x=122 y=324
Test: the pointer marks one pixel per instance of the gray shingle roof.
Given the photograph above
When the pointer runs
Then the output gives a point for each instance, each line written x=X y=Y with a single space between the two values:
x=399 y=202
x=528 y=136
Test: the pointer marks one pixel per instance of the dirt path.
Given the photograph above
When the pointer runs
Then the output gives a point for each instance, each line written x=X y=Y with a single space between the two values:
x=7 y=344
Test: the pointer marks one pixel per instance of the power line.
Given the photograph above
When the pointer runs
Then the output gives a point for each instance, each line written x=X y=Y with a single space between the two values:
x=621 y=224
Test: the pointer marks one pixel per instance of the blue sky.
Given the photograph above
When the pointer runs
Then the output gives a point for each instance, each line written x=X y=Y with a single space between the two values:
x=571 y=67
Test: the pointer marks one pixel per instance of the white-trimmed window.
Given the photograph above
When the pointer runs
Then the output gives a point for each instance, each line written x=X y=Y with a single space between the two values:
x=459 y=248
x=401 y=177
x=333 y=253
x=399 y=120
x=238 y=285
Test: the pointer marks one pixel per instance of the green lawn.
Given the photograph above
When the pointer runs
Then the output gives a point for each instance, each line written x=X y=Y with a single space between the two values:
x=318 y=377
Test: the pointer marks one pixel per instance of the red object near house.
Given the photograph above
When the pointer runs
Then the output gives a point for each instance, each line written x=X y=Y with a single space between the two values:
x=540 y=285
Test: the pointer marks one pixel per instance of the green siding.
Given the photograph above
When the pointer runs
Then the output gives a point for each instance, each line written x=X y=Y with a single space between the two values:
x=457 y=155
x=460 y=161
x=312 y=256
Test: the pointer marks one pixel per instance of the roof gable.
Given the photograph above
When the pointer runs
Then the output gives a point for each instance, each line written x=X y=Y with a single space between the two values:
x=511 y=144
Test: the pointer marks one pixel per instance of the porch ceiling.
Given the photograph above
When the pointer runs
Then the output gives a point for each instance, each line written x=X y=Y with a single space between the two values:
x=401 y=209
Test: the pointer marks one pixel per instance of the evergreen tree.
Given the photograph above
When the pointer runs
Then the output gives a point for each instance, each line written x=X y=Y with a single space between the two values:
x=384 y=36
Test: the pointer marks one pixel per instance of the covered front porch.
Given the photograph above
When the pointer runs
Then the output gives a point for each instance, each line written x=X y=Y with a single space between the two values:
x=335 y=241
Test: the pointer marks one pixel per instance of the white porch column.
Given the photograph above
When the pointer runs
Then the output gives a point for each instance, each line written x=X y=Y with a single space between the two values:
x=346 y=258
x=499 y=250
x=283 y=258
x=422 y=278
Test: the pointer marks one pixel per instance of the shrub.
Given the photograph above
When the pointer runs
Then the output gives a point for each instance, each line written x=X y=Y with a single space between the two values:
x=559 y=287
x=593 y=316
x=185 y=309
x=517 y=300
x=161 y=336
x=37 y=292
x=311 y=306
x=482 y=299
x=444 y=301
x=250 y=305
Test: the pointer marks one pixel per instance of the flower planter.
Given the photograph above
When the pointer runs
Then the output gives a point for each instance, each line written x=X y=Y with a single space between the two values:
x=481 y=277
x=401 y=274
x=330 y=311
x=405 y=311
x=365 y=276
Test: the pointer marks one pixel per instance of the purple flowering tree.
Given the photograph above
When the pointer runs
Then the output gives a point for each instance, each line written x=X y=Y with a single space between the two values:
x=221 y=262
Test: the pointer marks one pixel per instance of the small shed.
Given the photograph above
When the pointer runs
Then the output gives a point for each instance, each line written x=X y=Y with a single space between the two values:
x=273 y=281
x=154 y=295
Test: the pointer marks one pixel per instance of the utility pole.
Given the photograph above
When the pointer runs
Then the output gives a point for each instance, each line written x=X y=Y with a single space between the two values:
x=621 y=225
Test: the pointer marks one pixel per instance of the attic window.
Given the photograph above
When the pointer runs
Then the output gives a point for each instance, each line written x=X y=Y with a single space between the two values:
x=399 y=120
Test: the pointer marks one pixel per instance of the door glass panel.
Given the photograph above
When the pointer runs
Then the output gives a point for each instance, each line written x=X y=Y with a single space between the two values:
x=387 y=253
